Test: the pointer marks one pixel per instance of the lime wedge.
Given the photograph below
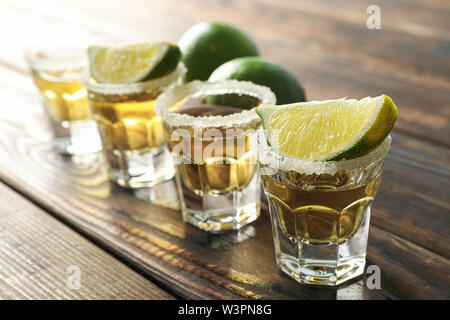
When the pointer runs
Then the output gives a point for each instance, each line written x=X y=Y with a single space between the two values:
x=133 y=63
x=328 y=130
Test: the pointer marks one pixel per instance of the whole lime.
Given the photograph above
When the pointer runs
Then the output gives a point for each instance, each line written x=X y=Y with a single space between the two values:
x=280 y=80
x=207 y=45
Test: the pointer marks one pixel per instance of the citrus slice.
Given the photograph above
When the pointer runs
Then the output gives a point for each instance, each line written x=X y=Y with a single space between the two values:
x=133 y=63
x=328 y=130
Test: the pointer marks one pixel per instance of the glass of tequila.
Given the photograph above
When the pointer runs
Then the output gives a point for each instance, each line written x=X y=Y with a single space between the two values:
x=320 y=212
x=56 y=71
x=131 y=132
x=209 y=133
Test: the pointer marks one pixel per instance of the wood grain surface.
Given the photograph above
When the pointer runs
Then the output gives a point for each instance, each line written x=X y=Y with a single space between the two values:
x=37 y=253
x=327 y=45
x=193 y=263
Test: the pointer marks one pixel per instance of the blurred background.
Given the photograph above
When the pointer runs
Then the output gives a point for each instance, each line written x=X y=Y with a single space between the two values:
x=326 y=44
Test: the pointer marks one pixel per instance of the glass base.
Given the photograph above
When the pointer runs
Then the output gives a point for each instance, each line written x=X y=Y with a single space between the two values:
x=320 y=264
x=221 y=220
x=131 y=169
x=321 y=272
x=76 y=138
x=220 y=212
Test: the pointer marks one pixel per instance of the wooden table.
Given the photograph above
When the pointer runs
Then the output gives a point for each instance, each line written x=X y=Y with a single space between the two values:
x=57 y=212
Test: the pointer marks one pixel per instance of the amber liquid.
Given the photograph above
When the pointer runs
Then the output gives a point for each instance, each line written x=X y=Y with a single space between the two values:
x=214 y=165
x=65 y=98
x=128 y=121
x=319 y=209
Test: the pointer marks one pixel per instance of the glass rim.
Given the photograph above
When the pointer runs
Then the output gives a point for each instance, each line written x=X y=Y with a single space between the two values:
x=39 y=62
x=267 y=156
x=135 y=87
x=197 y=87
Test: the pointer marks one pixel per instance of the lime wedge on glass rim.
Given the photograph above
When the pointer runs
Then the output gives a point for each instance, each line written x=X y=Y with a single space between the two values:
x=133 y=62
x=328 y=130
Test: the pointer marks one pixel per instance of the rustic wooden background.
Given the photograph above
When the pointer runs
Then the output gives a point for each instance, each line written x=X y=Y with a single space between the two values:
x=56 y=211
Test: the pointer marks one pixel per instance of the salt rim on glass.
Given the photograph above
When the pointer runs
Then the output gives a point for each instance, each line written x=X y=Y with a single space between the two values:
x=267 y=156
x=198 y=88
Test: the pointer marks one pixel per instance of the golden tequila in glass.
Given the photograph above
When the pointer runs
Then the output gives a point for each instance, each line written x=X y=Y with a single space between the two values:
x=56 y=71
x=131 y=131
x=320 y=212
x=209 y=135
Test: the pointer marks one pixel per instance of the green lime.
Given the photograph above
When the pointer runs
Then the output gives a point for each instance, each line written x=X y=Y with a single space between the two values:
x=242 y=101
x=133 y=63
x=328 y=130
x=281 y=81
x=207 y=45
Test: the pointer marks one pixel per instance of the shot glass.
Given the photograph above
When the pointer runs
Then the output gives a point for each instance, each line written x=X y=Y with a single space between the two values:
x=320 y=212
x=56 y=71
x=209 y=134
x=131 y=132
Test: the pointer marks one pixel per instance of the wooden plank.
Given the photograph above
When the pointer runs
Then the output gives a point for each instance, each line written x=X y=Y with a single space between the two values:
x=156 y=241
x=326 y=45
x=414 y=171
x=413 y=201
x=407 y=270
x=191 y=262
x=38 y=256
